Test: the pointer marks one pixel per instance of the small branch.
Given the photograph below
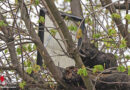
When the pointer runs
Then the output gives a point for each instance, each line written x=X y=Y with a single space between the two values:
x=122 y=6
x=125 y=34
x=127 y=7
x=8 y=68
x=57 y=74
x=71 y=48
x=2 y=37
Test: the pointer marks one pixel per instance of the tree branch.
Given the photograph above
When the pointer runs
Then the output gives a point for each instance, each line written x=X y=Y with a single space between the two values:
x=2 y=37
x=71 y=48
x=11 y=47
x=77 y=11
x=57 y=74
x=119 y=24
x=7 y=68
x=122 y=6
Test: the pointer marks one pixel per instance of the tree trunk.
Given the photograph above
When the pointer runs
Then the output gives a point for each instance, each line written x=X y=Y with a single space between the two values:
x=76 y=8
x=71 y=46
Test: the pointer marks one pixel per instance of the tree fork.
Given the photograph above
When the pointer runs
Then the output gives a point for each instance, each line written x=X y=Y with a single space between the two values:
x=70 y=44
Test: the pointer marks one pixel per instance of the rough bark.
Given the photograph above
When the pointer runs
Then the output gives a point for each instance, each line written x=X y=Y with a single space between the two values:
x=9 y=39
x=92 y=57
x=8 y=33
x=77 y=11
x=122 y=6
x=107 y=80
x=76 y=8
x=47 y=59
x=71 y=46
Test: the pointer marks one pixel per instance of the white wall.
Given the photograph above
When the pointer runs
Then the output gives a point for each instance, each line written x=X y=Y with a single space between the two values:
x=54 y=48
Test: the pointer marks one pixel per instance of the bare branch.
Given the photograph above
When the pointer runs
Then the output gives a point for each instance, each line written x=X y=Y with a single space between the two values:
x=8 y=68
x=122 y=6
x=2 y=37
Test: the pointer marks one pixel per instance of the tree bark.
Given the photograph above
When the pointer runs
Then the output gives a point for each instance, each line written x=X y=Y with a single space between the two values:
x=109 y=79
x=57 y=74
x=71 y=46
x=122 y=6
x=9 y=39
x=77 y=11
x=76 y=8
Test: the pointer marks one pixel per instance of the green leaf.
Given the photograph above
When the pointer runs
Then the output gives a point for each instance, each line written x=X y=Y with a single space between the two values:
x=29 y=48
x=121 y=68
x=67 y=0
x=122 y=46
x=115 y=15
x=79 y=71
x=88 y=21
x=37 y=2
x=27 y=63
x=36 y=68
x=127 y=16
x=97 y=35
x=123 y=43
x=82 y=71
x=85 y=72
x=2 y=0
x=22 y=84
x=72 y=28
x=53 y=32
x=18 y=50
x=128 y=70
x=2 y=24
x=107 y=44
x=6 y=50
x=116 y=56
x=16 y=1
x=41 y=19
x=24 y=48
x=127 y=57
x=66 y=18
x=34 y=47
x=69 y=11
x=98 y=68
x=44 y=66
x=29 y=70
x=94 y=70
x=111 y=32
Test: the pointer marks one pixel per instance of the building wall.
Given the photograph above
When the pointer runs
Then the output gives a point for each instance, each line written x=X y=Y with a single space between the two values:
x=54 y=49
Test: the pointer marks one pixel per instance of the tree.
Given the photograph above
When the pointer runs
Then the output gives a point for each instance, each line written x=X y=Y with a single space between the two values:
x=104 y=36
